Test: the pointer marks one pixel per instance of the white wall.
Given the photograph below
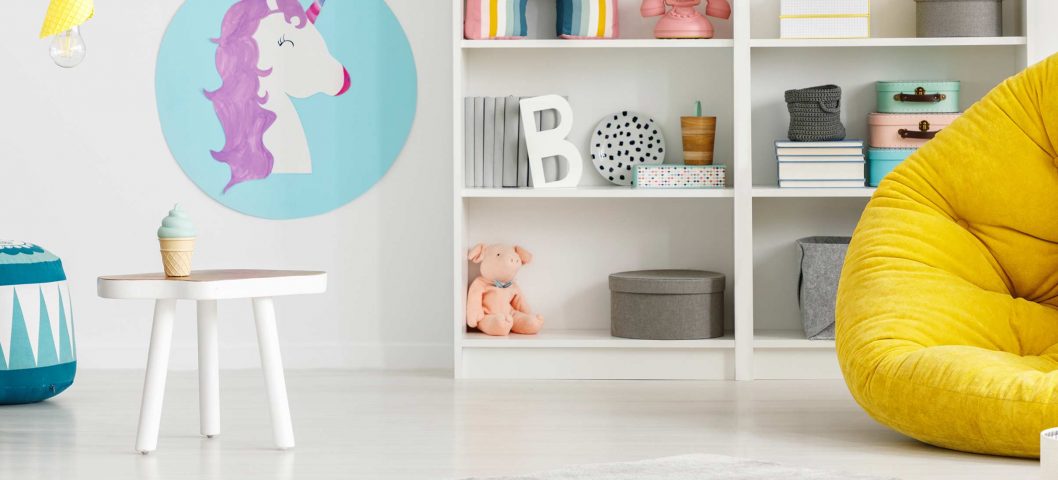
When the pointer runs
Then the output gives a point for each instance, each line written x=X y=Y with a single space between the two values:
x=85 y=171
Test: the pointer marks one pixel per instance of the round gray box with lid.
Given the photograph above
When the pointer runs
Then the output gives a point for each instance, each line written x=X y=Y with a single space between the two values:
x=960 y=18
x=667 y=304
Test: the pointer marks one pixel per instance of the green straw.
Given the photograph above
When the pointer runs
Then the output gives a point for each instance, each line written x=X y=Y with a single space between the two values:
x=698 y=108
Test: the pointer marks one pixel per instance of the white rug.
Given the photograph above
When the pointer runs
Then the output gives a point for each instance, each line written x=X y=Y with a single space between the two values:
x=689 y=467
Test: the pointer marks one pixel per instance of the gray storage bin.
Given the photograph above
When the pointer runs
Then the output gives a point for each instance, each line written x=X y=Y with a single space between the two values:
x=960 y=18
x=667 y=304
x=821 y=262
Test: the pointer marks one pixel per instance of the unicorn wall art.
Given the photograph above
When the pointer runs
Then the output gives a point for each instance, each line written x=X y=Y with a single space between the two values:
x=269 y=51
x=259 y=111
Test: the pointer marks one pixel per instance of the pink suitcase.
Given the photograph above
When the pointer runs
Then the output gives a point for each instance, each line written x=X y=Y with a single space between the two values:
x=906 y=130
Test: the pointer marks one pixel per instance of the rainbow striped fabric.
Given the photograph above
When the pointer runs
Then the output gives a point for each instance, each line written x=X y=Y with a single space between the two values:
x=502 y=19
x=587 y=18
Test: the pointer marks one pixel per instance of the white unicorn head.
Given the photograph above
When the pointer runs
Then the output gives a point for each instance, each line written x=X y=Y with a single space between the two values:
x=269 y=51
x=298 y=57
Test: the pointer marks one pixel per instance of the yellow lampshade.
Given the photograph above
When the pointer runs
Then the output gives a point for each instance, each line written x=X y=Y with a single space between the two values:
x=64 y=15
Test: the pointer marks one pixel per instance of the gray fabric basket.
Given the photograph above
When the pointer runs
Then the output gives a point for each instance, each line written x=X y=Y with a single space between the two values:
x=667 y=304
x=815 y=114
x=821 y=262
x=960 y=18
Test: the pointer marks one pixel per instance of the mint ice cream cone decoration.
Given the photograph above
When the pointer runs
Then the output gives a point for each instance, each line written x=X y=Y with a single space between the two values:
x=177 y=238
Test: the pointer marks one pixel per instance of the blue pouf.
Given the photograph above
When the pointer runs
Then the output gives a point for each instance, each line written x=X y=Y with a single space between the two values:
x=37 y=350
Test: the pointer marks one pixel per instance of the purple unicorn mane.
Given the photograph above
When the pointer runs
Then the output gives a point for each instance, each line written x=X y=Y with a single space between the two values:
x=237 y=102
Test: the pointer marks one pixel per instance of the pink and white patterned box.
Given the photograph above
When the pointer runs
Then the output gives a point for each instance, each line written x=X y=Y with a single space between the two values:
x=680 y=176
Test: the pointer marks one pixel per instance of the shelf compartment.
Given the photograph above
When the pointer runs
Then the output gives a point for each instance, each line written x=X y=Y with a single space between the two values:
x=788 y=339
x=597 y=192
x=597 y=84
x=775 y=70
x=887 y=42
x=588 y=339
x=576 y=246
x=776 y=192
x=578 y=44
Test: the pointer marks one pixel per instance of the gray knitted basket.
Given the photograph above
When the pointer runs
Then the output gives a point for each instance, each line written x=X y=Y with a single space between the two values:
x=815 y=114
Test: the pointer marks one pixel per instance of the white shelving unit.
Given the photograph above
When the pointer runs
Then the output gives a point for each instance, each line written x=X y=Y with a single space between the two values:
x=747 y=231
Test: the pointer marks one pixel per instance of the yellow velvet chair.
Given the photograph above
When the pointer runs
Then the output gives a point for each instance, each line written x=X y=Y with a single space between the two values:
x=947 y=313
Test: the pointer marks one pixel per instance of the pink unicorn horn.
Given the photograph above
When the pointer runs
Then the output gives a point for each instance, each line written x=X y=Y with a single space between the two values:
x=314 y=10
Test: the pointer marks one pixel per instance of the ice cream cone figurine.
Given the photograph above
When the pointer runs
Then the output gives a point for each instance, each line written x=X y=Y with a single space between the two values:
x=177 y=238
x=63 y=22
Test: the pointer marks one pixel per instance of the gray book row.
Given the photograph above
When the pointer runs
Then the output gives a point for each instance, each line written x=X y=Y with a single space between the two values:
x=494 y=143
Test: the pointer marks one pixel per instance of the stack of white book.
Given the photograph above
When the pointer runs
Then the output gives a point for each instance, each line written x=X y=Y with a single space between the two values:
x=825 y=19
x=821 y=164
x=494 y=150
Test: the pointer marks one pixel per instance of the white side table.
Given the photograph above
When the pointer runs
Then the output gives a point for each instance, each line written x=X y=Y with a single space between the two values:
x=206 y=287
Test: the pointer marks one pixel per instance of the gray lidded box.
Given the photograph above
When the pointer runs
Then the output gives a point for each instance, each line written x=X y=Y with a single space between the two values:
x=960 y=18
x=821 y=261
x=667 y=304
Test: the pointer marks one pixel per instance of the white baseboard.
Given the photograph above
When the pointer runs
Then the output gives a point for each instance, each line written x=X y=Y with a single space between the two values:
x=410 y=356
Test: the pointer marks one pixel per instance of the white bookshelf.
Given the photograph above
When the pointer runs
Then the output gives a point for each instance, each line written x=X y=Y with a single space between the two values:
x=746 y=231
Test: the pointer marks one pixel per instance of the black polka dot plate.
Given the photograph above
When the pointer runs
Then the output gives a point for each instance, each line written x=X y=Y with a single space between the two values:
x=623 y=140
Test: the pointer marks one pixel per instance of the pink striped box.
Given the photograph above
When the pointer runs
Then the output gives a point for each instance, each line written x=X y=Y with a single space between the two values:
x=680 y=176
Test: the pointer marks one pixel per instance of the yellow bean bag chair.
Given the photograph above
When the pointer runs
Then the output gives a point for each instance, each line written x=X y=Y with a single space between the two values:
x=947 y=311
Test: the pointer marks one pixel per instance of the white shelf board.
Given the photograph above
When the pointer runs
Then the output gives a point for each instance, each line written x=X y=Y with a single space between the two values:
x=776 y=192
x=886 y=42
x=788 y=339
x=587 y=339
x=597 y=192
x=613 y=43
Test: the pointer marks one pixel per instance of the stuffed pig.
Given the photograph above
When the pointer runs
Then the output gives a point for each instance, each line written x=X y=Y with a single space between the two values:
x=495 y=304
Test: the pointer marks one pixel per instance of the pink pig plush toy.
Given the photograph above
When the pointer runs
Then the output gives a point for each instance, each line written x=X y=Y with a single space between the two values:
x=495 y=304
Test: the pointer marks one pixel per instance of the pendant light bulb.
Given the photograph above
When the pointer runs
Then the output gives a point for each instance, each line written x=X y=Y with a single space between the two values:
x=68 y=48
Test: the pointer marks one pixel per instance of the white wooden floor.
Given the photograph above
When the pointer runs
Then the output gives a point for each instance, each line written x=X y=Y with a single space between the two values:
x=426 y=425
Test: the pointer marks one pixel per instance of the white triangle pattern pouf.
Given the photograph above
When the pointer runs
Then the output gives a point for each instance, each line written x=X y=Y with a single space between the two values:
x=37 y=350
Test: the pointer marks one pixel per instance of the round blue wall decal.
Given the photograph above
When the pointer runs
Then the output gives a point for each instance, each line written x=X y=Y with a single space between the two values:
x=285 y=108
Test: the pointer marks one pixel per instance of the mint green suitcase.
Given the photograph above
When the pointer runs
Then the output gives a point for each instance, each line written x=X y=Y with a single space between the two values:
x=881 y=161
x=918 y=97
